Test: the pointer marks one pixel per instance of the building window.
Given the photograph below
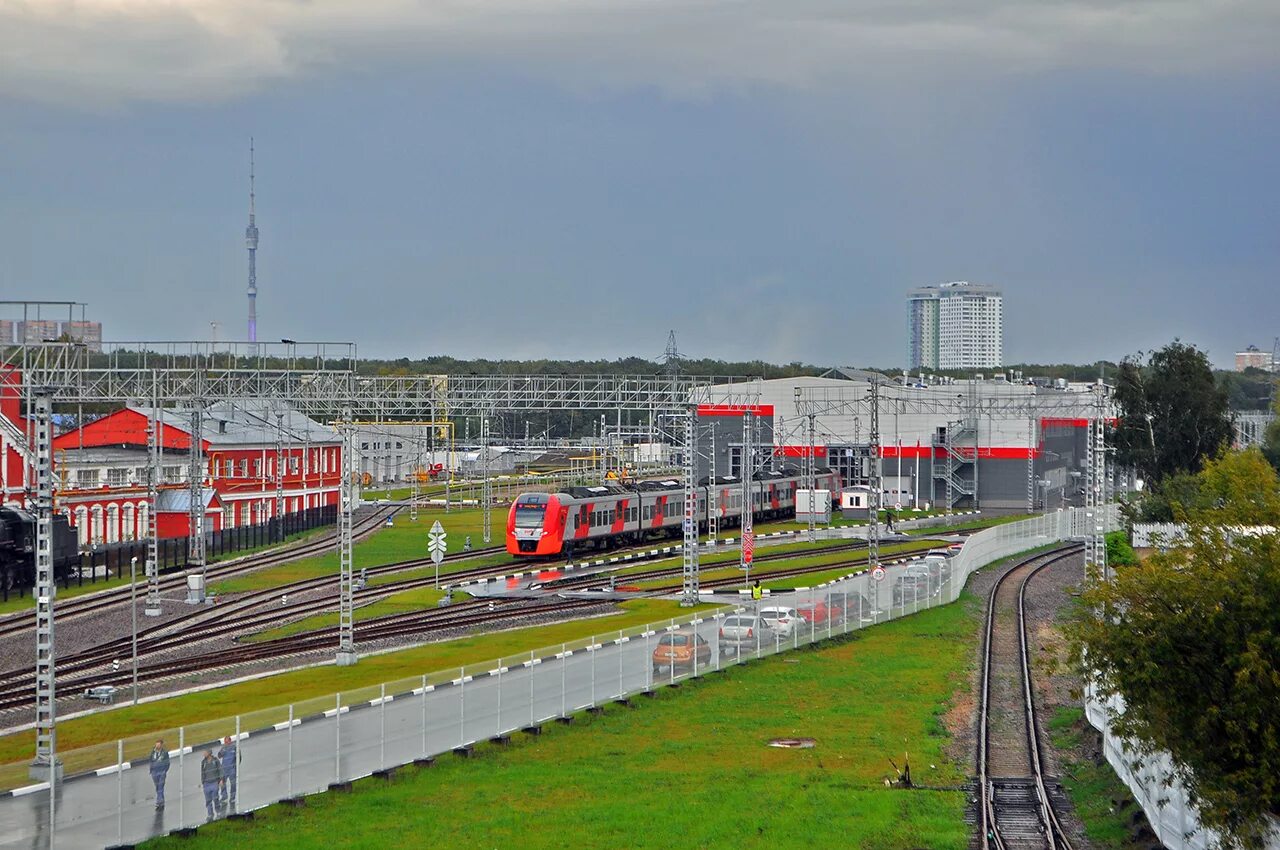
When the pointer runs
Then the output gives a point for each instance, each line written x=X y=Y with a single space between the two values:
x=95 y=524
x=87 y=478
x=140 y=474
x=244 y=467
x=172 y=474
x=129 y=530
x=117 y=477
x=257 y=467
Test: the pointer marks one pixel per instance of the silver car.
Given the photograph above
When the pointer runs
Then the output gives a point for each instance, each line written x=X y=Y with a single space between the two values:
x=740 y=634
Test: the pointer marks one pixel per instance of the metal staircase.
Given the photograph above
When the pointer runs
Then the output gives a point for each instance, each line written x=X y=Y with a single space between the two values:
x=956 y=469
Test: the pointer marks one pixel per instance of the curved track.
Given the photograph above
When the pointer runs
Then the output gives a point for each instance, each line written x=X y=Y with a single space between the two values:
x=1015 y=804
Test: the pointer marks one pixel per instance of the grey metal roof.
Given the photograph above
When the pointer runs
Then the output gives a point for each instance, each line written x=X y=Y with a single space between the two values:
x=179 y=501
x=249 y=422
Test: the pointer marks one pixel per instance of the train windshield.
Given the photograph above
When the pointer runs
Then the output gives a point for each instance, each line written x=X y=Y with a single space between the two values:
x=530 y=516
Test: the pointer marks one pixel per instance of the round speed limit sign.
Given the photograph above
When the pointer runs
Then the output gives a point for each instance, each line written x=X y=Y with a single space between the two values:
x=878 y=574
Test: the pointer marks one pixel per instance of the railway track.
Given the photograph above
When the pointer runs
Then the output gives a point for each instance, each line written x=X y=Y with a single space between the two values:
x=1017 y=803
x=472 y=613
x=90 y=604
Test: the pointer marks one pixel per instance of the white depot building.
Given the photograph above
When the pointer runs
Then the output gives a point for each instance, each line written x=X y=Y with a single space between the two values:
x=957 y=325
x=977 y=443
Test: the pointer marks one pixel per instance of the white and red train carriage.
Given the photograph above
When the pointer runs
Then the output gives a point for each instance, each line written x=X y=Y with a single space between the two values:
x=551 y=524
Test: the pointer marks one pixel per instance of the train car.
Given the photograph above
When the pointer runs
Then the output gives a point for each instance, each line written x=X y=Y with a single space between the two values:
x=18 y=547
x=603 y=516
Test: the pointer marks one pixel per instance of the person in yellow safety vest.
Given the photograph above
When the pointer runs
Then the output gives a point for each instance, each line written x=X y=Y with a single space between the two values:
x=756 y=592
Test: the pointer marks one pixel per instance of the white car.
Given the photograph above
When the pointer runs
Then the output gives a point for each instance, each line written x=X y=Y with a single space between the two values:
x=782 y=621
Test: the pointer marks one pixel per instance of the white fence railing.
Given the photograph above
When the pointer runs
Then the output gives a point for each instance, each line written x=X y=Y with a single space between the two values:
x=237 y=764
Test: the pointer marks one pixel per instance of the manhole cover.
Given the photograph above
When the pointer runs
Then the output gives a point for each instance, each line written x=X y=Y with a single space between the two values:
x=793 y=743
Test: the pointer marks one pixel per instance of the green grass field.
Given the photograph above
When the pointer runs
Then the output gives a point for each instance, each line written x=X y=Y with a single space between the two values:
x=690 y=768
x=403 y=541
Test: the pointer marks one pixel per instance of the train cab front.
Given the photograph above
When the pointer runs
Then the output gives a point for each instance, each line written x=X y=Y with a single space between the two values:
x=535 y=526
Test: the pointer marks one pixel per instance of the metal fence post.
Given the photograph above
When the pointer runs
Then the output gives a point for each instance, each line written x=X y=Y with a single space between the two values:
x=648 y=654
x=337 y=740
x=289 y=787
x=182 y=750
x=498 y=722
x=235 y=785
x=564 y=689
x=462 y=706
x=119 y=792
x=382 y=728
x=592 y=649
x=621 y=688
x=532 y=671
x=424 y=715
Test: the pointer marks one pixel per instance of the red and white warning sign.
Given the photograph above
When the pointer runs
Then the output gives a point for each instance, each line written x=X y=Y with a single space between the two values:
x=748 y=545
x=878 y=574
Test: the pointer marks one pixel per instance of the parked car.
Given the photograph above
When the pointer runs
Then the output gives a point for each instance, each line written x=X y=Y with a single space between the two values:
x=819 y=612
x=742 y=633
x=914 y=585
x=783 y=621
x=676 y=650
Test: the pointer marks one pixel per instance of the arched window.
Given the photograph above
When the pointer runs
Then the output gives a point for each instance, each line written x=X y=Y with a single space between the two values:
x=129 y=528
x=113 y=523
x=95 y=524
x=144 y=519
x=82 y=525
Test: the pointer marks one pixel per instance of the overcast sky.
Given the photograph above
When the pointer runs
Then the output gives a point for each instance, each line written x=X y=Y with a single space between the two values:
x=572 y=178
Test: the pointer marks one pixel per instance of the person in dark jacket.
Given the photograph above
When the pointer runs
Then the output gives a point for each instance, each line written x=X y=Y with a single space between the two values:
x=210 y=776
x=229 y=762
x=159 y=766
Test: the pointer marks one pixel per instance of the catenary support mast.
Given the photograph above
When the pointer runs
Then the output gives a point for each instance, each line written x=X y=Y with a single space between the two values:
x=46 y=766
x=689 y=550
x=346 y=609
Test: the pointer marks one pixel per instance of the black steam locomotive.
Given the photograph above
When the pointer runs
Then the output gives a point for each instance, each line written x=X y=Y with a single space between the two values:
x=18 y=549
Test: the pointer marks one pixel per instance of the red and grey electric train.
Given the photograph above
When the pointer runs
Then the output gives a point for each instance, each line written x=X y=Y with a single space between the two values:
x=548 y=524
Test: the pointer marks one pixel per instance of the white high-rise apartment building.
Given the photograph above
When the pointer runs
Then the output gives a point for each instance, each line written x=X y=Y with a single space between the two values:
x=957 y=325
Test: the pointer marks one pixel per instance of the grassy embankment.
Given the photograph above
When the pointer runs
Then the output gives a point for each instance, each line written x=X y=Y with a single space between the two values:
x=690 y=768
x=1094 y=788
x=140 y=724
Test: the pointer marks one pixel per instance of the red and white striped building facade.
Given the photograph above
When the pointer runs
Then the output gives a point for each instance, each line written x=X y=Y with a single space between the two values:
x=100 y=469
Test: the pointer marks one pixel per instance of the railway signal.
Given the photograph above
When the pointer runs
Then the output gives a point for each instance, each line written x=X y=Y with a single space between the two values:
x=437 y=545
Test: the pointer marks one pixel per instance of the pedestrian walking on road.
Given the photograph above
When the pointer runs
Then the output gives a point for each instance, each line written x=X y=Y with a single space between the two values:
x=159 y=765
x=210 y=775
x=229 y=759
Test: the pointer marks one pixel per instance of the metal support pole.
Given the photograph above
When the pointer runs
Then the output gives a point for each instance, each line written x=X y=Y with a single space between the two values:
x=874 y=491
x=689 y=550
x=154 y=470
x=1031 y=463
x=811 y=476
x=46 y=766
x=747 y=540
x=346 y=609
x=280 y=477
x=195 y=513
x=337 y=737
x=487 y=488
x=713 y=495
x=1095 y=492
x=417 y=468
